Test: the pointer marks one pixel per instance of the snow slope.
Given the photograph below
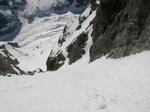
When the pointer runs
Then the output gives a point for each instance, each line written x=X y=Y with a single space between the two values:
x=36 y=40
x=39 y=38
x=105 y=85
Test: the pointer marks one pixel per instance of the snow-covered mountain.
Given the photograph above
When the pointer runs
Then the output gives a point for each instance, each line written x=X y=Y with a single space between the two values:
x=15 y=13
x=35 y=39
x=8 y=63
x=67 y=46
x=66 y=37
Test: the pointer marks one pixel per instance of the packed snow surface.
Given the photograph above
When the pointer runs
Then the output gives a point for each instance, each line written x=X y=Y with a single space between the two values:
x=105 y=85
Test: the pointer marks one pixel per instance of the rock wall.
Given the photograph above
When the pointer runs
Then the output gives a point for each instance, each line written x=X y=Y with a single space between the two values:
x=121 y=28
x=76 y=49
x=55 y=61
x=8 y=63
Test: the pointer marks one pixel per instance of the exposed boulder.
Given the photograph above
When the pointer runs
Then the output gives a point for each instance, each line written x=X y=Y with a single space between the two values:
x=74 y=48
x=55 y=61
x=121 y=28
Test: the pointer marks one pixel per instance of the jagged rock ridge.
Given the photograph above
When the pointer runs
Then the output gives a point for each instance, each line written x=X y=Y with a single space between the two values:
x=121 y=28
x=8 y=63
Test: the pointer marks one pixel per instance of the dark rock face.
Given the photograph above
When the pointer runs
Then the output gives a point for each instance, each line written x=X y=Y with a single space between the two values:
x=75 y=52
x=121 y=28
x=12 y=4
x=76 y=49
x=8 y=64
x=10 y=24
x=93 y=4
x=55 y=62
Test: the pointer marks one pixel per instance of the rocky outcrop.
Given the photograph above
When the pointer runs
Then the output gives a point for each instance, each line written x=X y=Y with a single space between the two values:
x=94 y=5
x=76 y=49
x=8 y=63
x=121 y=28
x=55 y=61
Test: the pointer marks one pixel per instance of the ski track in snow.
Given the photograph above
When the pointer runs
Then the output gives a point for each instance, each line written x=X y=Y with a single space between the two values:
x=105 y=85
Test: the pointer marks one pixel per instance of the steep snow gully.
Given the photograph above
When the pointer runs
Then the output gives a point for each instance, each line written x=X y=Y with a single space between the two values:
x=51 y=34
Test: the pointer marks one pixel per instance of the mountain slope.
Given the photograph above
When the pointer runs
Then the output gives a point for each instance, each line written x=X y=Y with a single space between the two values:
x=78 y=47
x=93 y=34
x=119 y=28
x=42 y=37
x=106 y=85
x=8 y=63
x=38 y=38
x=15 y=13
x=73 y=33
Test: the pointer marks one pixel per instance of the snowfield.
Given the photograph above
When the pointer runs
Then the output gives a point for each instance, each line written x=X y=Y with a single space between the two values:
x=105 y=85
x=36 y=40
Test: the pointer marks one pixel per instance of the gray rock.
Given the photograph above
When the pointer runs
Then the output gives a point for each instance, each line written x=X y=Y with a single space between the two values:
x=8 y=63
x=121 y=28
x=54 y=62
x=76 y=49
